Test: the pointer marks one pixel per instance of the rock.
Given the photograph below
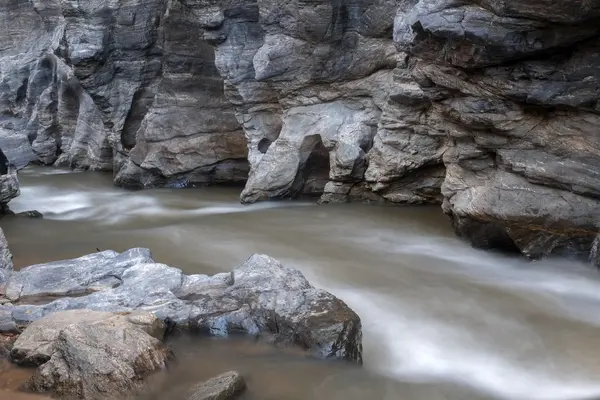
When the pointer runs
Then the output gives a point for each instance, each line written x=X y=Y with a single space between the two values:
x=86 y=354
x=31 y=214
x=9 y=189
x=223 y=387
x=478 y=105
x=6 y=264
x=595 y=253
x=511 y=94
x=75 y=276
x=259 y=297
x=107 y=86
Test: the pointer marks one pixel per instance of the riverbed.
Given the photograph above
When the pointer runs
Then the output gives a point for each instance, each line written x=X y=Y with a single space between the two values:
x=441 y=320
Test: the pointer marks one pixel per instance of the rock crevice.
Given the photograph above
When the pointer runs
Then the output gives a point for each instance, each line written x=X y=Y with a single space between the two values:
x=484 y=106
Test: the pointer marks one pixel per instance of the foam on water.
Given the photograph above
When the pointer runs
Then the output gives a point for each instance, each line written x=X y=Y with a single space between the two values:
x=112 y=206
x=549 y=276
x=420 y=349
x=458 y=335
x=406 y=341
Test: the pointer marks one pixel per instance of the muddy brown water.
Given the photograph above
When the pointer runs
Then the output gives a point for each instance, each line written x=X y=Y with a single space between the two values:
x=441 y=320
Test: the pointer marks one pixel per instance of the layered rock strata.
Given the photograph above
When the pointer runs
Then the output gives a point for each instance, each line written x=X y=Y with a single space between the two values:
x=127 y=86
x=513 y=88
x=487 y=107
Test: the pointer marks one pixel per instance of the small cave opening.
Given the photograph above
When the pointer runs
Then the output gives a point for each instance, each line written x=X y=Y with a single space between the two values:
x=22 y=92
x=264 y=145
x=313 y=172
x=140 y=105
x=3 y=163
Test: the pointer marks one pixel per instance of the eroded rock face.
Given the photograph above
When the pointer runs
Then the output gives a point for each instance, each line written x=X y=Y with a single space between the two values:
x=128 y=86
x=260 y=296
x=512 y=87
x=309 y=83
x=484 y=106
x=86 y=354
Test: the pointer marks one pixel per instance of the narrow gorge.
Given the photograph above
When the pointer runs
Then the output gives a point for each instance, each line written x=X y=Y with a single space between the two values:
x=489 y=108
x=394 y=143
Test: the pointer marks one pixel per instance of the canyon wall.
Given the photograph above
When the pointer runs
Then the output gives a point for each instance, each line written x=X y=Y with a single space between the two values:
x=490 y=108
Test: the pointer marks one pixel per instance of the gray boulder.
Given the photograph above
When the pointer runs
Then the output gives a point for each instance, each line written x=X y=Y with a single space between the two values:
x=74 y=277
x=259 y=297
x=86 y=354
x=223 y=387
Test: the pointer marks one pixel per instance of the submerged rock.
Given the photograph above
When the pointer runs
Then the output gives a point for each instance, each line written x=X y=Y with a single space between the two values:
x=30 y=214
x=86 y=354
x=223 y=387
x=260 y=296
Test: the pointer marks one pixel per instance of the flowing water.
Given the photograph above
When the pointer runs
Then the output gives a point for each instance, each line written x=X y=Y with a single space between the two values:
x=441 y=320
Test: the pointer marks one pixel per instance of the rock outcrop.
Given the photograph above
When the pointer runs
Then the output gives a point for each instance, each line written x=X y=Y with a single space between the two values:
x=488 y=107
x=113 y=85
x=259 y=297
x=91 y=355
x=513 y=86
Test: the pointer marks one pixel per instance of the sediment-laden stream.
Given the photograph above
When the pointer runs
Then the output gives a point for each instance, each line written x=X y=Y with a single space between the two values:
x=441 y=320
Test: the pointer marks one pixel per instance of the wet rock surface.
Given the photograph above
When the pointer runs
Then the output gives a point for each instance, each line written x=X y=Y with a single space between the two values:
x=85 y=354
x=259 y=297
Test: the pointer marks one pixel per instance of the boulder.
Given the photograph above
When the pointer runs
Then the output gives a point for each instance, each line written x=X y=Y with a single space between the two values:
x=75 y=276
x=259 y=297
x=223 y=387
x=85 y=354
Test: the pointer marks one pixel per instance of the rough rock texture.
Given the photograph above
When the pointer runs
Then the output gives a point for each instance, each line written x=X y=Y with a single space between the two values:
x=309 y=84
x=513 y=86
x=260 y=296
x=86 y=354
x=116 y=84
x=226 y=386
x=484 y=106
x=9 y=183
x=6 y=264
